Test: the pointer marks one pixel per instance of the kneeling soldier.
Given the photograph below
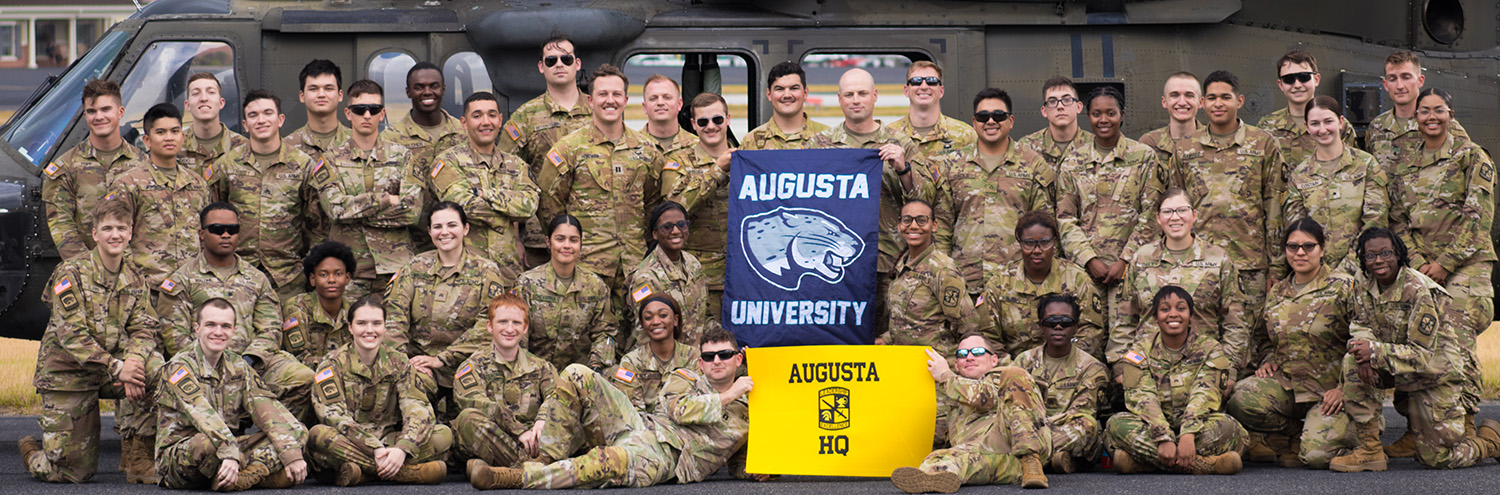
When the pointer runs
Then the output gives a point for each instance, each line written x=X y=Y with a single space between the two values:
x=501 y=389
x=1071 y=381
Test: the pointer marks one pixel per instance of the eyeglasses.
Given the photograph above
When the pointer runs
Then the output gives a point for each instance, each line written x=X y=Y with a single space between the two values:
x=1383 y=255
x=552 y=60
x=667 y=227
x=976 y=352
x=1424 y=111
x=921 y=221
x=366 y=109
x=724 y=355
x=930 y=80
x=1297 y=248
x=1175 y=212
x=1059 y=321
x=1036 y=244
x=703 y=121
x=1296 y=77
x=223 y=228
x=1064 y=101
x=987 y=115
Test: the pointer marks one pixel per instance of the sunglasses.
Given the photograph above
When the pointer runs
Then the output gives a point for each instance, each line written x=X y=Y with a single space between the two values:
x=551 y=60
x=1303 y=248
x=703 y=121
x=366 y=109
x=1059 y=321
x=667 y=227
x=223 y=228
x=724 y=355
x=986 y=116
x=976 y=352
x=930 y=80
x=1296 y=77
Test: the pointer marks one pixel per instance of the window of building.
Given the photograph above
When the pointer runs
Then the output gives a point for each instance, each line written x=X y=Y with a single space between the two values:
x=389 y=69
x=161 y=75
x=8 y=32
x=824 y=70
x=728 y=74
x=464 y=75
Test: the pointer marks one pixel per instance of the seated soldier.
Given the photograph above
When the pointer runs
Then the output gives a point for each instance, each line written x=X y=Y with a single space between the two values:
x=206 y=392
x=500 y=389
x=315 y=321
x=374 y=419
x=642 y=371
x=995 y=425
x=1071 y=381
x=705 y=411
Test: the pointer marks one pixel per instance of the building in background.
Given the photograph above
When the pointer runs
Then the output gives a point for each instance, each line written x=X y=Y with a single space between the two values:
x=51 y=33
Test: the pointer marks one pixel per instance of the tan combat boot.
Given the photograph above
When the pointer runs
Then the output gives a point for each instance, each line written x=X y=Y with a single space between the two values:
x=1261 y=448
x=1062 y=462
x=277 y=480
x=350 y=474
x=28 y=445
x=496 y=478
x=913 y=480
x=473 y=466
x=1406 y=446
x=1488 y=436
x=1227 y=463
x=1369 y=456
x=249 y=477
x=1470 y=430
x=427 y=473
x=1291 y=457
x=1124 y=464
x=1031 y=472
x=139 y=454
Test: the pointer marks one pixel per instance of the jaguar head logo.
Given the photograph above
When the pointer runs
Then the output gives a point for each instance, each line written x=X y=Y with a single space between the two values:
x=786 y=244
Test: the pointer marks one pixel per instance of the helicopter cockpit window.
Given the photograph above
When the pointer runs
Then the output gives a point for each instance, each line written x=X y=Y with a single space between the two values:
x=389 y=69
x=161 y=75
x=824 y=70
x=36 y=132
x=465 y=74
x=729 y=75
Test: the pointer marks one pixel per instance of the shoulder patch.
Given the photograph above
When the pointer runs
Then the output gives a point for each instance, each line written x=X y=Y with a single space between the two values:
x=182 y=380
x=512 y=130
x=51 y=169
x=324 y=374
x=290 y=323
x=624 y=375
x=683 y=372
x=208 y=172
x=950 y=296
x=112 y=195
x=436 y=169
x=979 y=301
x=168 y=285
x=641 y=293
x=672 y=166
x=465 y=379
x=554 y=157
x=1135 y=357
x=1428 y=324
x=62 y=286
x=1487 y=172
x=464 y=370
x=494 y=289
x=328 y=385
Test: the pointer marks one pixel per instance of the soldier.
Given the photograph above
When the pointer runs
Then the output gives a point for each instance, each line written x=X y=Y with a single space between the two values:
x=704 y=411
x=1011 y=292
x=928 y=302
x=1060 y=106
x=369 y=191
x=210 y=139
x=493 y=186
x=704 y=191
x=1181 y=96
x=1401 y=337
x=270 y=183
x=217 y=272
x=1174 y=380
x=99 y=343
x=643 y=370
x=662 y=102
x=206 y=396
x=1298 y=77
x=987 y=191
x=1340 y=186
x=1393 y=135
x=668 y=269
x=1295 y=397
x=374 y=421
x=163 y=200
x=316 y=322
x=1071 y=382
x=570 y=317
x=71 y=186
x=999 y=435
x=320 y=88
x=930 y=132
x=501 y=388
x=789 y=127
x=427 y=129
x=1443 y=206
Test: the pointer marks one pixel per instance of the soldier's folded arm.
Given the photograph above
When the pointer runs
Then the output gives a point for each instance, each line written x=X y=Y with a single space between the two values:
x=521 y=199
x=685 y=407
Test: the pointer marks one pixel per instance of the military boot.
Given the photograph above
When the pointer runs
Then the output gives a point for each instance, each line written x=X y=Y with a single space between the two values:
x=1062 y=462
x=1369 y=456
x=913 y=480
x=1261 y=449
x=1470 y=430
x=1488 y=436
x=350 y=474
x=427 y=473
x=1406 y=446
x=276 y=480
x=1291 y=457
x=249 y=477
x=495 y=478
x=473 y=466
x=30 y=447
x=1031 y=472
x=139 y=455
x=1124 y=464
x=1227 y=463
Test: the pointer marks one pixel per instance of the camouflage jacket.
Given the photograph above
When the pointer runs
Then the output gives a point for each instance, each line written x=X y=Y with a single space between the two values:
x=1296 y=143
x=257 y=310
x=571 y=321
x=349 y=183
x=1041 y=143
x=440 y=311
x=1009 y=301
x=365 y=403
x=72 y=185
x=704 y=431
x=640 y=374
x=1073 y=389
x=704 y=191
x=307 y=141
x=682 y=279
x=538 y=124
x=497 y=193
x=608 y=184
x=199 y=153
x=949 y=137
x=1208 y=275
x=1161 y=141
x=1101 y=195
x=309 y=333
x=980 y=415
x=1443 y=205
x=683 y=149
x=99 y=319
x=425 y=144
x=977 y=207
x=1409 y=338
x=509 y=392
x=1345 y=200
x=1392 y=139
x=1236 y=190
x=166 y=206
x=929 y=304
x=277 y=208
x=1172 y=391
x=1308 y=331
x=215 y=400
x=892 y=194
x=769 y=136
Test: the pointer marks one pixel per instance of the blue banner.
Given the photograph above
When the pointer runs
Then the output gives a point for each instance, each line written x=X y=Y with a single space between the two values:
x=803 y=234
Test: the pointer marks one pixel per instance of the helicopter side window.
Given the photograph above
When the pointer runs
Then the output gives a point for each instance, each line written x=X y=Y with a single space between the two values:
x=38 y=130
x=465 y=75
x=729 y=75
x=824 y=70
x=161 y=75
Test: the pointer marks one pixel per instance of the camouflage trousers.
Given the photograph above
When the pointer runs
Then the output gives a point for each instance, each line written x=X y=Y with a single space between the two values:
x=329 y=449
x=1472 y=310
x=1261 y=405
x=974 y=464
x=70 y=428
x=1253 y=286
x=1021 y=416
x=194 y=462
x=1221 y=434
x=291 y=382
x=1435 y=414
x=1078 y=435
x=587 y=412
x=481 y=437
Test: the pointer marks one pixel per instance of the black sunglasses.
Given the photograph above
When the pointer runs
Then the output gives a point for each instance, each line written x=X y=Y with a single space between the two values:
x=976 y=352
x=551 y=60
x=1059 y=321
x=703 y=121
x=930 y=80
x=223 y=228
x=366 y=109
x=724 y=355
x=1296 y=77
x=986 y=115
x=679 y=225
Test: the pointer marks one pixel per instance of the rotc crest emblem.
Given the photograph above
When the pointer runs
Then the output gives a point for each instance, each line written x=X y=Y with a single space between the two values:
x=1427 y=325
x=330 y=389
x=833 y=408
x=950 y=296
x=494 y=289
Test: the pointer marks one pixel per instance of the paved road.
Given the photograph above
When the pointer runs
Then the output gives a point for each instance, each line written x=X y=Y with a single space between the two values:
x=1404 y=476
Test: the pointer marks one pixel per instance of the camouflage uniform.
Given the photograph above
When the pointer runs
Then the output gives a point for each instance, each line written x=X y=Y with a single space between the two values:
x=310 y=142
x=1309 y=330
x=929 y=304
x=571 y=320
x=497 y=193
x=1414 y=349
x=769 y=136
x=641 y=374
x=1172 y=393
x=308 y=332
x=166 y=206
x=349 y=182
x=201 y=409
x=1296 y=143
x=704 y=192
x=198 y=154
x=1392 y=140
x=1206 y=272
x=1072 y=388
x=425 y=143
x=997 y=419
x=892 y=194
x=1443 y=206
x=1041 y=143
x=366 y=407
x=532 y=130
x=1160 y=140
x=277 y=203
x=500 y=401
x=977 y=207
x=682 y=149
x=442 y=311
x=72 y=186
x=1009 y=300
x=948 y=137
x=1345 y=199
x=99 y=319
x=683 y=280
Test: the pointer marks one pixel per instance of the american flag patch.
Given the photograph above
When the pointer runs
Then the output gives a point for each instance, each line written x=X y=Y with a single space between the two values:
x=672 y=166
x=51 y=169
x=324 y=375
x=641 y=293
x=168 y=284
x=512 y=131
x=1135 y=357
x=464 y=370
x=554 y=157
x=208 y=172
x=624 y=375
x=317 y=167
x=176 y=377
x=290 y=323
x=980 y=301
x=437 y=168
x=65 y=284
x=685 y=373
x=112 y=195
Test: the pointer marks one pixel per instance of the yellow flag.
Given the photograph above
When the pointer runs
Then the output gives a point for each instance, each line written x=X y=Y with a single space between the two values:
x=839 y=410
